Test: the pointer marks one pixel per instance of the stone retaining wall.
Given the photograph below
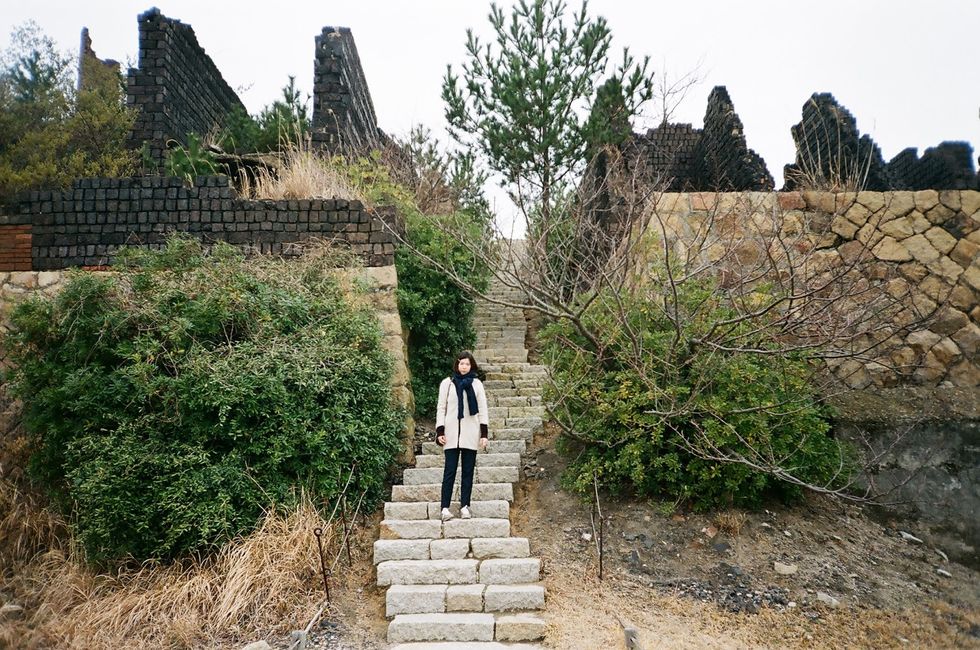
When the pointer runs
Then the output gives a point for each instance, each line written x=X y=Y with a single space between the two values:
x=925 y=245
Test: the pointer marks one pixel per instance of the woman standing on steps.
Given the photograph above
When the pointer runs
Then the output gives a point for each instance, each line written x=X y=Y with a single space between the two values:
x=462 y=423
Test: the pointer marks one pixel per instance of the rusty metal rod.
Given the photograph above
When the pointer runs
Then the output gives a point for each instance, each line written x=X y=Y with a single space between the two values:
x=323 y=566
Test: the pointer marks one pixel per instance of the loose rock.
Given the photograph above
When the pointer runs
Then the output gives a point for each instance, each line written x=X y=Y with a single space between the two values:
x=784 y=569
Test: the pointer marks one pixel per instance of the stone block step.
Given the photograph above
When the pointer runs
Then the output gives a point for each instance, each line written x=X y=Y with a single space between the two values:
x=441 y=627
x=436 y=599
x=402 y=529
x=506 y=571
x=493 y=447
x=498 y=509
x=429 y=572
x=512 y=434
x=433 y=492
x=474 y=645
x=482 y=460
x=494 y=474
x=479 y=548
x=519 y=627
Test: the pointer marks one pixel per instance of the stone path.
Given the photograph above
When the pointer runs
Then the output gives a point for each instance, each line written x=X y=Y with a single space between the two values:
x=465 y=584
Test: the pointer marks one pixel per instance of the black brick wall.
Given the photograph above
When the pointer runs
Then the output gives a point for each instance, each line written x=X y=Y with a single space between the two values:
x=946 y=167
x=177 y=87
x=87 y=224
x=343 y=113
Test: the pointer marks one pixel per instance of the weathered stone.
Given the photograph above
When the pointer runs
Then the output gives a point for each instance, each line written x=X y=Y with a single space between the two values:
x=843 y=227
x=406 y=510
x=913 y=271
x=500 y=547
x=899 y=228
x=520 y=627
x=471 y=528
x=826 y=598
x=890 y=250
x=411 y=529
x=48 y=278
x=934 y=287
x=900 y=203
x=510 y=570
x=502 y=598
x=427 y=572
x=465 y=598
x=946 y=268
x=415 y=599
x=400 y=549
x=873 y=201
x=921 y=249
x=919 y=222
x=930 y=371
x=924 y=305
x=941 y=240
x=964 y=253
x=868 y=235
x=962 y=297
x=479 y=509
x=970 y=202
x=925 y=200
x=971 y=276
x=858 y=214
x=948 y=320
x=939 y=214
x=951 y=199
x=967 y=338
x=257 y=645
x=922 y=340
x=946 y=351
x=441 y=627
x=449 y=549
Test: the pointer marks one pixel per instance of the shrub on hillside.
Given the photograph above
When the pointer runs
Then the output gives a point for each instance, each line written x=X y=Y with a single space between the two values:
x=652 y=412
x=174 y=401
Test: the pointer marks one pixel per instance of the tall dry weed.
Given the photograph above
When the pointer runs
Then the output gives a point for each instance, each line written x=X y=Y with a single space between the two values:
x=303 y=174
x=264 y=584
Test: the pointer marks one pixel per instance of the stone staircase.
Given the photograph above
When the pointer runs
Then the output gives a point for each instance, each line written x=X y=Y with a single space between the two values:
x=466 y=583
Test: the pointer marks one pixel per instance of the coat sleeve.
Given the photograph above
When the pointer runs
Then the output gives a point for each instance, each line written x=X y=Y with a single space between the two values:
x=441 y=407
x=481 y=403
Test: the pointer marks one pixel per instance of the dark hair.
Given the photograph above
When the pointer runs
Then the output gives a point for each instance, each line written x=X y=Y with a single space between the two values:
x=466 y=354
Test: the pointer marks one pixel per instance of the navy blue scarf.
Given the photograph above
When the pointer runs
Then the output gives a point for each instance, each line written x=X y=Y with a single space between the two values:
x=465 y=383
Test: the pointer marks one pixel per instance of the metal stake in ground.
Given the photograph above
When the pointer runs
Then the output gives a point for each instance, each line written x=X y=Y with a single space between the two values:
x=323 y=567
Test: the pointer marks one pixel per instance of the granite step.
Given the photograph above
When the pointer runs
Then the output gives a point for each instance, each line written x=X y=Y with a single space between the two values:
x=433 y=492
x=493 y=447
x=436 y=599
x=481 y=474
x=482 y=460
x=438 y=529
x=480 y=548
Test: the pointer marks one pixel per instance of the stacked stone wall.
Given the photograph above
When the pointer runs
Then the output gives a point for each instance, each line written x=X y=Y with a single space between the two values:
x=87 y=224
x=925 y=245
x=343 y=113
x=177 y=88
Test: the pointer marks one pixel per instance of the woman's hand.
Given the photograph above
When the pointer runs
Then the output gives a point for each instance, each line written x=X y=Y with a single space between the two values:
x=483 y=443
x=441 y=440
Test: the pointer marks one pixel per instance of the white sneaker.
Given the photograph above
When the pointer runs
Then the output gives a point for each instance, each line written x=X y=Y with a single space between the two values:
x=465 y=512
x=446 y=514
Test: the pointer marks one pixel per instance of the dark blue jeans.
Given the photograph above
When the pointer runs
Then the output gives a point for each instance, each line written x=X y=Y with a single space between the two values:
x=449 y=475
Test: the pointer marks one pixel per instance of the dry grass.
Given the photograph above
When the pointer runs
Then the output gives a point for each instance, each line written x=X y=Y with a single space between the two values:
x=730 y=522
x=264 y=584
x=303 y=174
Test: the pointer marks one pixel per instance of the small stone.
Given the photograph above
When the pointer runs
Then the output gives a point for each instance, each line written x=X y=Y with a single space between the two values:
x=944 y=573
x=891 y=251
x=784 y=569
x=10 y=610
x=941 y=240
x=909 y=537
x=827 y=599
x=587 y=537
x=921 y=249
x=257 y=645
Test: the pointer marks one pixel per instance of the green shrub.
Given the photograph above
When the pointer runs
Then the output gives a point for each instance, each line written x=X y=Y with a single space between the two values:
x=190 y=161
x=437 y=313
x=173 y=402
x=280 y=125
x=669 y=417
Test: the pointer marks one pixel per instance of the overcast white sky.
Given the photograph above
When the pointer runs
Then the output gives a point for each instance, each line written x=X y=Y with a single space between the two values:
x=909 y=70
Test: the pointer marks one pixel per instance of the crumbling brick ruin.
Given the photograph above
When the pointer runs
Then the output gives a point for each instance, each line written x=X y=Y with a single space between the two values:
x=177 y=88
x=343 y=113
x=89 y=64
x=831 y=151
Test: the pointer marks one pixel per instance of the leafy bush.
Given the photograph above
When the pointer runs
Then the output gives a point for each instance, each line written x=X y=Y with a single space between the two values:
x=190 y=161
x=51 y=134
x=669 y=417
x=171 y=403
x=437 y=313
x=280 y=125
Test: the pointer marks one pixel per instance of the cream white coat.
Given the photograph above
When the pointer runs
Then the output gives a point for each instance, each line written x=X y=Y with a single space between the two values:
x=463 y=433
